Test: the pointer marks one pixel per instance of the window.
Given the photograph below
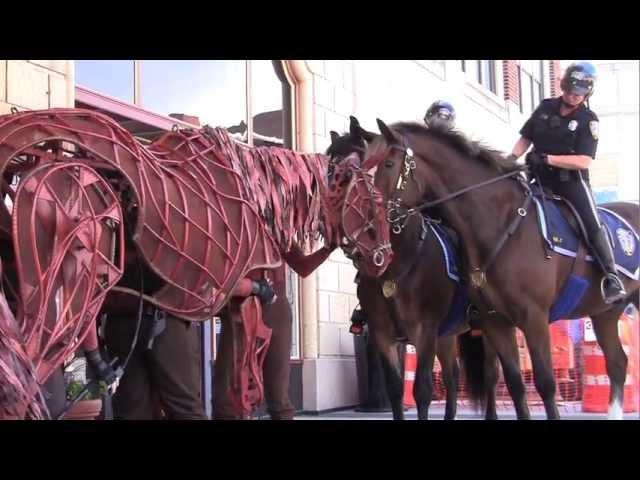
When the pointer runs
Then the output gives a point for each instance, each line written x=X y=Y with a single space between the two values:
x=531 y=73
x=215 y=91
x=266 y=104
x=293 y=296
x=222 y=93
x=112 y=77
x=487 y=74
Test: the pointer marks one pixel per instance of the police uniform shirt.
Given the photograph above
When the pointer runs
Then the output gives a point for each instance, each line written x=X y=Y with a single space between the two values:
x=574 y=134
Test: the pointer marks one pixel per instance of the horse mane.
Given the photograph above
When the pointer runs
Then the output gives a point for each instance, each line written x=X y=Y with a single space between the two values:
x=460 y=143
x=288 y=188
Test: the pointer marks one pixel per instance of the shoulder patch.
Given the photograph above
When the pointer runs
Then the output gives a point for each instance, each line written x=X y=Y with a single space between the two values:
x=594 y=126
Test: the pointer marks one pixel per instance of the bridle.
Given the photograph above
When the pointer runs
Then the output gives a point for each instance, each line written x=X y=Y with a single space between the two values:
x=361 y=192
x=360 y=210
x=397 y=213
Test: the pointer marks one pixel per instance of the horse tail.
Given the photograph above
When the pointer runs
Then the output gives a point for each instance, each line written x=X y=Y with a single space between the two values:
x=472 y=358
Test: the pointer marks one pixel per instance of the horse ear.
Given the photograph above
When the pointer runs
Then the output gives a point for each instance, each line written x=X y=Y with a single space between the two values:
x=357 y=131
x=334 y=136
x=388 y=134
x=354 y=126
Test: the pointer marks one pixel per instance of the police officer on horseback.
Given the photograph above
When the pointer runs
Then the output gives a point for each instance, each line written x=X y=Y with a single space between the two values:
x=564 y=134
x=440 y=113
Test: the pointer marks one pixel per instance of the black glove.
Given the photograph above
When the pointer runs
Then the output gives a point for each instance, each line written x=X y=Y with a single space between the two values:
x=101 y=368
x=537 y=160
x=263 y=289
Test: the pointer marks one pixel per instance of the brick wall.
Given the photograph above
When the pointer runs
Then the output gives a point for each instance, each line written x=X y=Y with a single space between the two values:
x=555 y=75
x=334 y=101
x=511 y=81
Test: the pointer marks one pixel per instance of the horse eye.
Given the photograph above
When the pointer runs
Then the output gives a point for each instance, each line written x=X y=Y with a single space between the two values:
x=388 y=163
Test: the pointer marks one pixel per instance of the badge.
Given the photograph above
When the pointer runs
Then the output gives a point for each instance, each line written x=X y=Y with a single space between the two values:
x=388 y=288
x=625 y=237
x=573 y=125
x=593 y=126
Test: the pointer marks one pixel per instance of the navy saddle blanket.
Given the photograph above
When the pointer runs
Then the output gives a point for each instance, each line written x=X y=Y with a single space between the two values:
x=458 y=309
x=563 y=239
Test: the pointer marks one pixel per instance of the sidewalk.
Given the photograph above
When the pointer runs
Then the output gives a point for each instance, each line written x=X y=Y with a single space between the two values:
x=568 y=411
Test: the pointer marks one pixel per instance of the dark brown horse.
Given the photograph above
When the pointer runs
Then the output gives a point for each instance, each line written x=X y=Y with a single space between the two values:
x=488 y=203
x=409 y=301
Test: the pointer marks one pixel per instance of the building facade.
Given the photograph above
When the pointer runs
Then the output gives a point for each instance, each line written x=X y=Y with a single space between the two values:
x=296 y=103
x=616 y=102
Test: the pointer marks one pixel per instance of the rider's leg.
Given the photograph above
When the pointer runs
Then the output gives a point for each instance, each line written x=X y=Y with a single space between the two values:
x=579 y=193
x=277 y=364
x=132 y=399
x=174 y=362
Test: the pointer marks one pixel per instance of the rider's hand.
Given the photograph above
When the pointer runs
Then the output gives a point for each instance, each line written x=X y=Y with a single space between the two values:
x=535 y=159
x=101 y=368
x=264 y=291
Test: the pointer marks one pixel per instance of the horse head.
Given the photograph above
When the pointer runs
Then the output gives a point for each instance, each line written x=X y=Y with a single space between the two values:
x=355 y=205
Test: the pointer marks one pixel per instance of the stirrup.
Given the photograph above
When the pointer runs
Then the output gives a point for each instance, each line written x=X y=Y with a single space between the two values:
x=615 y=281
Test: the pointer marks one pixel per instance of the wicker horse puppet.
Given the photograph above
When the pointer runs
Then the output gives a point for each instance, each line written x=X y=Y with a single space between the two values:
x=204 y=214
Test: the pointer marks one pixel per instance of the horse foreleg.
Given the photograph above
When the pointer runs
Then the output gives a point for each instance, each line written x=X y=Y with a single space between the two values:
x=491 y=379
x=382 y=331
x=536 y=332
x=423 y=385
x=392 y=368
x=446 y=351
x=503 y=338
x=605 y=326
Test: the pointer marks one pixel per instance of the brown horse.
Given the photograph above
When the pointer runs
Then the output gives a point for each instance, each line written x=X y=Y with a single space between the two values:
x=472 y=190
x=409 y=301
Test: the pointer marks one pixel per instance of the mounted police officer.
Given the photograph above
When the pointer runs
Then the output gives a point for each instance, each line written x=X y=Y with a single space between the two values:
x=441 y=113
x=564 y=134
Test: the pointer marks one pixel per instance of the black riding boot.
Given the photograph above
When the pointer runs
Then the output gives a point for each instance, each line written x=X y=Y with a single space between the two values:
x=612 y=288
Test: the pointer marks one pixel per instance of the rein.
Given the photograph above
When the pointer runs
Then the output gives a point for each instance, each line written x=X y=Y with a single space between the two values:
x=398 y=215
